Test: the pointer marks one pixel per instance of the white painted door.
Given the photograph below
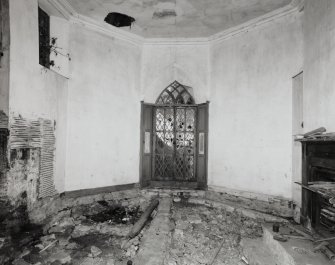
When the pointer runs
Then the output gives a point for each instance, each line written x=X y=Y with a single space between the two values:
x=297 y=128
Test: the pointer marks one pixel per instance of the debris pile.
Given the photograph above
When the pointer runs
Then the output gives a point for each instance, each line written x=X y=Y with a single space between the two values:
x=317 y=134
x=204 y=235
x=85 y=234
x=108 y=233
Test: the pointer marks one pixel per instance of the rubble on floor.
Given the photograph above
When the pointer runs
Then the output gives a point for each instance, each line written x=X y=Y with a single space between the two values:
x=203 y=235
x=85 y=234
x=97 y=233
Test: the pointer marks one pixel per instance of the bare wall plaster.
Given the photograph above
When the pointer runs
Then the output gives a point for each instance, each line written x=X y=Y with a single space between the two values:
x=35 y=92
x=163 y=64
x=97 y=110
x=251 y=111
x=319 y=64
x=103 y=111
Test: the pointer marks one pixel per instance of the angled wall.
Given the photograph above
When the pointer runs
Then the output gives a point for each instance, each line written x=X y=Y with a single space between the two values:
x=103 y=111
x=164 y=63
x=251 y=108
x=319 y=64
x=37 y=107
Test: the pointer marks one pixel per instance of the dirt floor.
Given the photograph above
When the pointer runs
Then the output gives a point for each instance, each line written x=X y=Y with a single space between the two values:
x=97 y=234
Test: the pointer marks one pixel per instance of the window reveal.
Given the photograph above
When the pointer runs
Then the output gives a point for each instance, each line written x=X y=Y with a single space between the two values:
x=44 y=38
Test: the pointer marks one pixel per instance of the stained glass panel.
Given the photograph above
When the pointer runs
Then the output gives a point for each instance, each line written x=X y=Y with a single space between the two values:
x=190 y=119
x=159 y=144
x=168 y=141
x=189 y=172
x=159 y=119
x=169 y=119
x=180 y=143
x=189 y=143
x=180 y=167
x=175 y=93
x=174 y=154
x=180 y=119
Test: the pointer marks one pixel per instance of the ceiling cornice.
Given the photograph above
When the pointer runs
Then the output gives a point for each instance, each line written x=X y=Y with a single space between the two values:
x=107 y=29
x=69 y=12
x=63 y=7
x=292 y=8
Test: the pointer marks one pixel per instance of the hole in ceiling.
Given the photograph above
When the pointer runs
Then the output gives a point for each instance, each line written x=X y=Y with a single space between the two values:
x=119 y=20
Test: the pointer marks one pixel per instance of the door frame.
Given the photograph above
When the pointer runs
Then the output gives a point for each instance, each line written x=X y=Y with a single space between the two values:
x=147 y=181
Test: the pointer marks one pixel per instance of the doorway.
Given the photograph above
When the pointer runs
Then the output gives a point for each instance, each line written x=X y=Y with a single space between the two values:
x=174 y=144
x=174 y=140
x=297 y=128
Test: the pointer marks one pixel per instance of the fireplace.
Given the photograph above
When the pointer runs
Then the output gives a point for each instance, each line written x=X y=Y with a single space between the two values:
x=318 y=182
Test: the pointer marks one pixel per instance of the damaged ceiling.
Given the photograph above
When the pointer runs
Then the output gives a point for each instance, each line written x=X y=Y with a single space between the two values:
x=179 y=18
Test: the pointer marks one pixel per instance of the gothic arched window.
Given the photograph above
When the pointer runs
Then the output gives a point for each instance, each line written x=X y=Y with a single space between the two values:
x=175 y=94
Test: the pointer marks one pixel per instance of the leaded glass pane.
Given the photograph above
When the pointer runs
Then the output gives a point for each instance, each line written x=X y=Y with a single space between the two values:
x=175 y=93
x=189 y=172
x=174 y=140
x=169 y=119
x=159 y=119
x=180 y=119
x=190 y=119
x=168 y=168
x=168 y=141
x=180 y=165
x=159 y=145
x=189 y=143
x=180 y=142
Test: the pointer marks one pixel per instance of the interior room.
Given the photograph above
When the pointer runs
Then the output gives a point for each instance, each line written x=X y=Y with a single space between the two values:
x=171 y=132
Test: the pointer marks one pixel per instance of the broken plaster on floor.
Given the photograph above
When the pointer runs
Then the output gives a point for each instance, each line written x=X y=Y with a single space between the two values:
x=81 y=235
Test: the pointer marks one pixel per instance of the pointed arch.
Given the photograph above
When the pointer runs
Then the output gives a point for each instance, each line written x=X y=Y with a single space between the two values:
x=175 y=94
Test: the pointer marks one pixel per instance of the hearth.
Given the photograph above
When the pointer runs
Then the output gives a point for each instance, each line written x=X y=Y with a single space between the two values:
x=318 y=182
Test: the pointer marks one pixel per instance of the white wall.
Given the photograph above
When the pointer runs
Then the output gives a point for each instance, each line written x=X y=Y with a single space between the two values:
x=250 y=122
x=103 y=111
x=319 y=64
x=35 y=92
x=247 y=79
x=163 y=64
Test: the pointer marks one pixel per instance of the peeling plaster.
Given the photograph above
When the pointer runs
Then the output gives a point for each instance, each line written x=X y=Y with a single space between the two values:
x=30 y=176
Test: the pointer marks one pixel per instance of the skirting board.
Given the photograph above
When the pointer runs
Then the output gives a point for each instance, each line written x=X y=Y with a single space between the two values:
x=96 y=191
x=246 y=194
x=275 y=205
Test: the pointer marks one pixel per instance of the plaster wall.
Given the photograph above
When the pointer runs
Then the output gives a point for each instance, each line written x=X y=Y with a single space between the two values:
x=250 y=120
x=103 y=111
x=4 y=59
x=163 y=64
x=319 y=64
x=35 y=92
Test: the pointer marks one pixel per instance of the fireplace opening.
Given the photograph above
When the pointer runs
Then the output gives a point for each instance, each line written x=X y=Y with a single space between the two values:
x=322 y=200
x=318 y=182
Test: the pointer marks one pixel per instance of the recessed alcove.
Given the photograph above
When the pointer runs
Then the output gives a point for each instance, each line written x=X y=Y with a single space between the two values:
x=177 y=129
